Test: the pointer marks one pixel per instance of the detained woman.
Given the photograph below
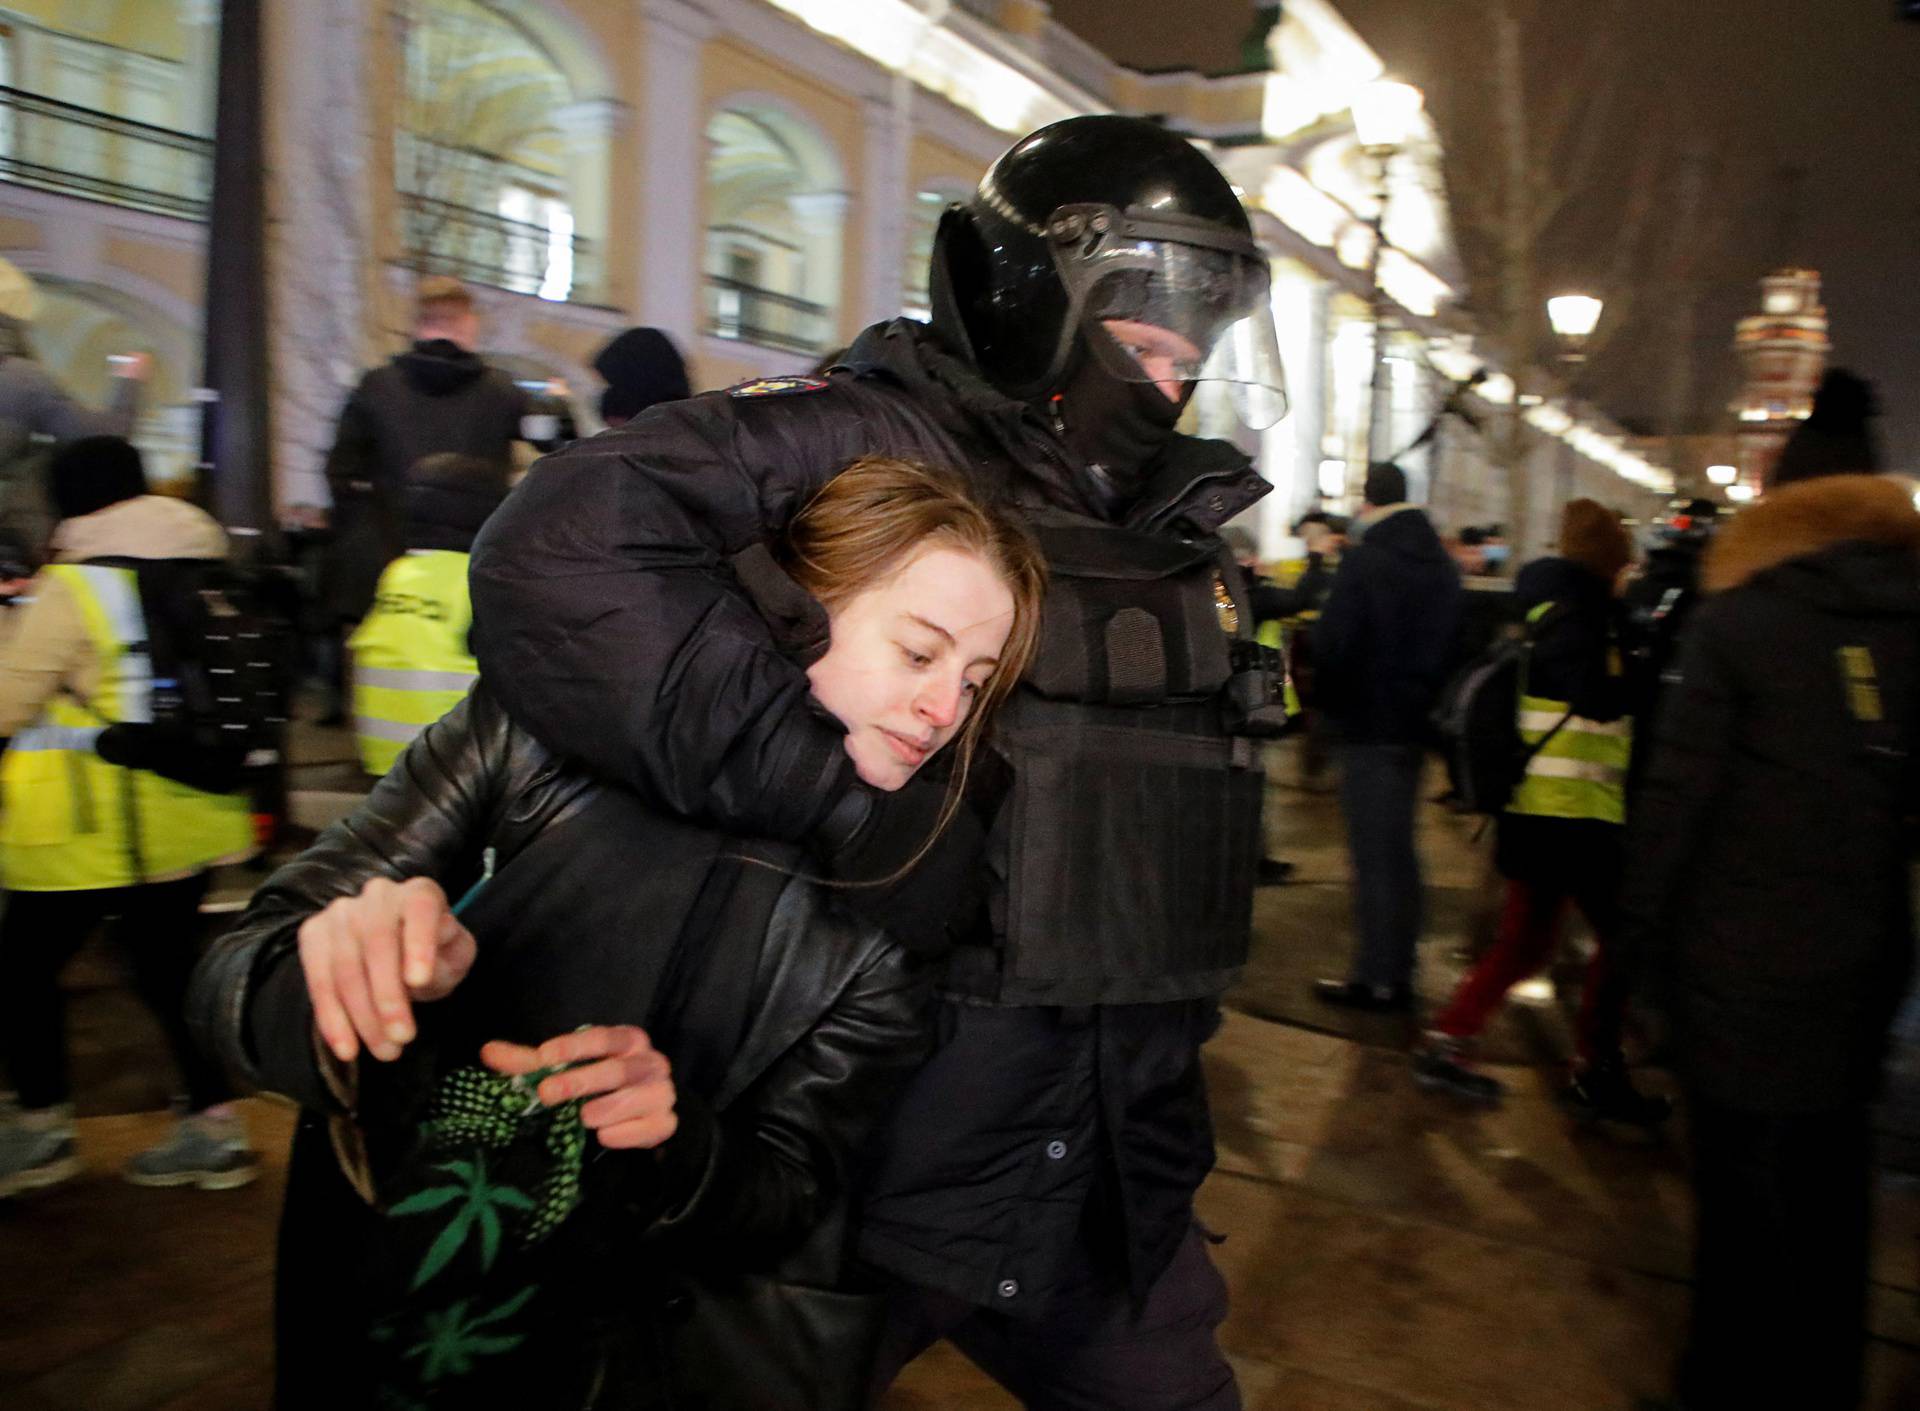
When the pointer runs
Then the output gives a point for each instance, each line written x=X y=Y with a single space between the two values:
x=583 y=1137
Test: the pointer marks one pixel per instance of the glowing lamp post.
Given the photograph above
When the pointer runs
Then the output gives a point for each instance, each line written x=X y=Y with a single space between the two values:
x=1574 y=317
x=1723 y=475
x=1385 y=117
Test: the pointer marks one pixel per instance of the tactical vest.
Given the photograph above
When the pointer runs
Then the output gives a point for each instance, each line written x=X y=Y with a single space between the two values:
x=1125 y=851
x=1581 y=770
x=69 y=821
x=410 y=659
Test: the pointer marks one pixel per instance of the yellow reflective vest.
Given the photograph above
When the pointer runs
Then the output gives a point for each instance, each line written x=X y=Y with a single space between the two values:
x=69 y=821
x=410 y=660
x=1581 y=772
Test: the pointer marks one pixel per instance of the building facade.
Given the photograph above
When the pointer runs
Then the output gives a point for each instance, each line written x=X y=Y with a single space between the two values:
x=761 y=178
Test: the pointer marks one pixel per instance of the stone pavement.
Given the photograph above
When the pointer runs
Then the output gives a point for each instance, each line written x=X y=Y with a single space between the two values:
x=1387 y=1251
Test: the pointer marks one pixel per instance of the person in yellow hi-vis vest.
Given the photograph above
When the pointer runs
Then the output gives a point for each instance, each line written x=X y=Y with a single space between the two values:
x=411 y=664
x=83 y=840
x=1561 y=838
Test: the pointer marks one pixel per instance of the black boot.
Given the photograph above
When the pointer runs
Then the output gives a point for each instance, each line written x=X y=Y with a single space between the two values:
x=1440 y=1066
x=1602 y=1091
x=1374 y=999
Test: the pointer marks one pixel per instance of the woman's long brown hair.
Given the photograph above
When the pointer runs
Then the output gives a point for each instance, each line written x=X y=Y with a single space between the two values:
x=869 y=521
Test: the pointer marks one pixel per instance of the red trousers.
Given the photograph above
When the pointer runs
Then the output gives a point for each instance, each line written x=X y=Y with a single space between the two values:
x=1529 y=932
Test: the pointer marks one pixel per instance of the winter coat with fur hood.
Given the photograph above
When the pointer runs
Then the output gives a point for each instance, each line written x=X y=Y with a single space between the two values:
x=1767 y=892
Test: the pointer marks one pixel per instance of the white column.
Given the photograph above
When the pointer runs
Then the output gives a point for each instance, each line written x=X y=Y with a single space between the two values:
x=319 y=236
x=673 y=169
x=587 y=129
x=883 y=246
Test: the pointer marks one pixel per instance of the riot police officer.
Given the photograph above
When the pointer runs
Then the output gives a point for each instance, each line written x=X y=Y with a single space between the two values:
x=1034 y=1199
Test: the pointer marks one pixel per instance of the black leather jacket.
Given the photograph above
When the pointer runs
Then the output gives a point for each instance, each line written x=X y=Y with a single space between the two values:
x=796 y=1075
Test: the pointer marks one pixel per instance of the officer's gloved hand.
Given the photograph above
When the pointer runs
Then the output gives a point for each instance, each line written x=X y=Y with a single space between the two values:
x=935 y=901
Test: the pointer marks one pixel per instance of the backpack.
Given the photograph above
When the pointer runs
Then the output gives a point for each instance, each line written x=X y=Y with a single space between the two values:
x=1478 y=722
x=223 y=662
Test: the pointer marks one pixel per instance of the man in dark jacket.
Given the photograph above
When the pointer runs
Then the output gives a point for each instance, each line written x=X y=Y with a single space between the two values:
x=436 y=397
x=1034 y=1200
x=1768 y=899
x=1382 y=647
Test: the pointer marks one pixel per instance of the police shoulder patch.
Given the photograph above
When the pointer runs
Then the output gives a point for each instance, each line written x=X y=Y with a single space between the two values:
x=792 y=386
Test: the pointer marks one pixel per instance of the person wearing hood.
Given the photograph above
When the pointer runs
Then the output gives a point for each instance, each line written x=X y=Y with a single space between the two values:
x=1381 y=648
x=642 y=368
x=437 y=396
x=1768 y=904
x=411 y=661
x=1032 y=1199
x=1559 y=840
x=83 y=839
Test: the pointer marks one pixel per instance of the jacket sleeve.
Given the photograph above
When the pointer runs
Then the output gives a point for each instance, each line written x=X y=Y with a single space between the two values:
x=1679 y=789
x=1340 y=634
x=610 y=625
x=742 y=1188
x=247 y=1003
x=44 y=650
x=351 y=459
x=51 y=412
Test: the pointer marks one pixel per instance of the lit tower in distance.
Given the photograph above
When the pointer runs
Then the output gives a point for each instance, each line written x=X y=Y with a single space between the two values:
x=1783 y=352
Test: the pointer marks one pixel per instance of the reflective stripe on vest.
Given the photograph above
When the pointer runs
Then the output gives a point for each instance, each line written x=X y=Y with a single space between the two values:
x=69 y=821
x=1581 y=772
x=410 y=659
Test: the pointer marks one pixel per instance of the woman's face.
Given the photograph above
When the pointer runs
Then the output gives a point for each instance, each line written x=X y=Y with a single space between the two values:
x=909 y=654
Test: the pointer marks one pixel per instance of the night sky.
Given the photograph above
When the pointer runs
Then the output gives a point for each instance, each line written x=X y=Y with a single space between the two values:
x=1829 y=87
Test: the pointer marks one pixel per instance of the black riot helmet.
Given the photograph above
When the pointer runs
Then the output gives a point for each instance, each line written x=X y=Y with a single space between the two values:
x=1111 y=238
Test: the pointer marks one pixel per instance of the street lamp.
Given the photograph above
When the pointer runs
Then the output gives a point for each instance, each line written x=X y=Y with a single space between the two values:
x=1385 y=116
x=1740 y=494
x=1723 y=474
x=1574 y=317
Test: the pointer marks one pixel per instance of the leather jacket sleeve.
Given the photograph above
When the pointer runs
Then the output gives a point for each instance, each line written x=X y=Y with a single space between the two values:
x=430 y=816
x=611 y=625
x=742 y=1187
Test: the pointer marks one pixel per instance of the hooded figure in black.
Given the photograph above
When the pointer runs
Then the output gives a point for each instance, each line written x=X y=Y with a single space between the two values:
x=1768 y=902
x=1034 y=1200
x=642 y=368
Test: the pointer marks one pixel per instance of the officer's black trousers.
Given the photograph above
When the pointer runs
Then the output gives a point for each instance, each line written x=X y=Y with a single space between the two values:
x=156 y=926
x=1093 y=1348
x=1783 y=1211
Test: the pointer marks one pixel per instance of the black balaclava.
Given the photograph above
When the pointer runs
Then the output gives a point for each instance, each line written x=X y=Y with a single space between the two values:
x=92 y=473
x=1117 y=428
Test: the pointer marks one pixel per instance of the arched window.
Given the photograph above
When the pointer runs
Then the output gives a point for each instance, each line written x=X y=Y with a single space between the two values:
x=774 y=210
x=489 y=178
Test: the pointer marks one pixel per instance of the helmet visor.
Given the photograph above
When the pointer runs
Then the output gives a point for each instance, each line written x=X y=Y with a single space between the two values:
x=1179 y=313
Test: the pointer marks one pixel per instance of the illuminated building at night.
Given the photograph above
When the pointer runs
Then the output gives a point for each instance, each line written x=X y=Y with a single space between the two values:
x=1783 y=352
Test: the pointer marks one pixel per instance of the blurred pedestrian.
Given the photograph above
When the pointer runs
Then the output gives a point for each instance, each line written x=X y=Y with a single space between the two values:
x=1559 y=840
x=83 y=840
x=1768 y=897
x=33 y=405
x=1659 y=603
x=437 y=396
x=642 y=368
x=1381 y=646
x=411 y=662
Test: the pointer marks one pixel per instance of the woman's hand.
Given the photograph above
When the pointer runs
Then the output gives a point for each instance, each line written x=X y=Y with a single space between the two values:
x=634 y=1082
x=368 y=958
